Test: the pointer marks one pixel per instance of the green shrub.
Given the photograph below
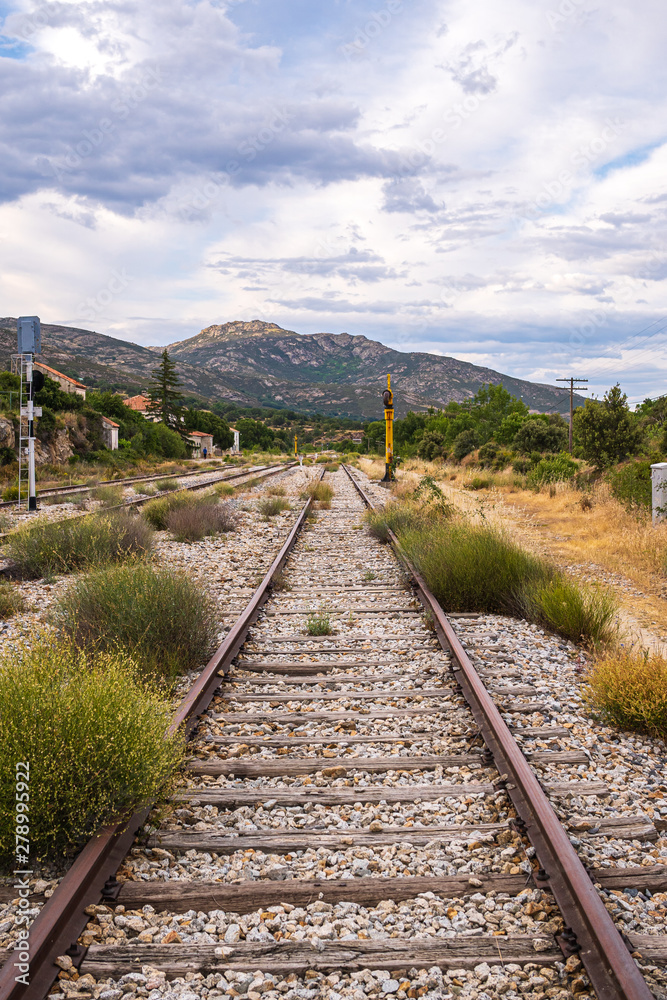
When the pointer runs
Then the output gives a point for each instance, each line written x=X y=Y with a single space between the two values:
x=94 y=737
x=629 y=689
x=631 y=485
x=521 y=465
x=558 y=469
x=318 y=491
x=478 y=483
x=224 y=489
x=109 y=496
x=11 y=600
x=79 y=543
x=272 y=506
x=486 y=455
x=331 y=467
x=464 y=443
x=164 y=619
x=191 y=524
x=473 y=568
x=167 y=485
x=157 y=511
x=11 y=492
x=432 y=445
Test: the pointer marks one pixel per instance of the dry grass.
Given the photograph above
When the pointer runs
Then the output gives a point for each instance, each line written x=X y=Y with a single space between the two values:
x=603 y=532
x=577 y=527
x=629 y=689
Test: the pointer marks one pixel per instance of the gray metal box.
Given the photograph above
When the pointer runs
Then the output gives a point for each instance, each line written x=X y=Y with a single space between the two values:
x=29 y=334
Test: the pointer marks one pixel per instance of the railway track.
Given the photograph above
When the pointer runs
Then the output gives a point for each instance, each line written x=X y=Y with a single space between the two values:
x=83 y=488
x=254 y=473
x=356 y=818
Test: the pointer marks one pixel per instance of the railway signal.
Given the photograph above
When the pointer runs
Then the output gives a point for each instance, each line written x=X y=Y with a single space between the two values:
x=388 y=400
x=29 y=343
x=579 y=388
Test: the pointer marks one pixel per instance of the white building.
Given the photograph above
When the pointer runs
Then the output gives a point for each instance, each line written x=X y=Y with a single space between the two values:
x=110 y=433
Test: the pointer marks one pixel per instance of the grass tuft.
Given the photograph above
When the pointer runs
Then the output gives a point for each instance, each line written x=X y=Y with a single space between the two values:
x=192 y=523
x=163 y=618
x=276 y=490
x=629 y=690
x=272 y=506
x=94 y=737
x=12 y=601
x=79 y=543
x=319 y=623
x=224 y=489
x=157 y=511
x=109 y=496
x=472 y=567
x=582 y=614
x=167 y=485
x=319 y=492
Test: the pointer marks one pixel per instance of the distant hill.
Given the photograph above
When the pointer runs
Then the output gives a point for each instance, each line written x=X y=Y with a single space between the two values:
x=260 y=364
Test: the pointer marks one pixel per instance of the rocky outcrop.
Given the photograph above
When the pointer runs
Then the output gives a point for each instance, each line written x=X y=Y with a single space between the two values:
x=7 y=435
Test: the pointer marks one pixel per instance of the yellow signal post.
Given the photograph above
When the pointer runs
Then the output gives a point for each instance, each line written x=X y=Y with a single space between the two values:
x=388 y=400
x=295 y=447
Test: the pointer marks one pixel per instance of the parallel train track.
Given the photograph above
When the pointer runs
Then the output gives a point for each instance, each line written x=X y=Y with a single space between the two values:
x=334 y=770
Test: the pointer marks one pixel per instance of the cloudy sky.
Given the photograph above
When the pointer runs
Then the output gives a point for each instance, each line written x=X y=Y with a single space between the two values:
x=480 y=178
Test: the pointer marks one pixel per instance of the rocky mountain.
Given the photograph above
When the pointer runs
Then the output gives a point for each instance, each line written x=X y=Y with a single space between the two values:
x=260 y=364
x=327 y=368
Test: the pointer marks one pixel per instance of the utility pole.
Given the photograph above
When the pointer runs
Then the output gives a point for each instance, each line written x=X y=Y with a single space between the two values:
x=295 y=447
x=579 y=388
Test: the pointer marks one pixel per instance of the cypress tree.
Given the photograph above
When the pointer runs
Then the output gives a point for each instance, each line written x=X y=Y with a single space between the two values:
x=164 y=395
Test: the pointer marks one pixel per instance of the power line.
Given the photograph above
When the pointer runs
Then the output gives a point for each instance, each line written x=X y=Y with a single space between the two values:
x=579 y=388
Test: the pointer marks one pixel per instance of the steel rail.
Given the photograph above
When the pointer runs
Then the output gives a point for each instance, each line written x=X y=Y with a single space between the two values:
x=91 y=878
x=590 y=931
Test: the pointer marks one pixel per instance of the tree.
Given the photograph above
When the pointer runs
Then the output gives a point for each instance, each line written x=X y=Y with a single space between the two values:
x=538 y=435
x=432 y=445
x=464 y=443
x=164 y=395
x=605 y=429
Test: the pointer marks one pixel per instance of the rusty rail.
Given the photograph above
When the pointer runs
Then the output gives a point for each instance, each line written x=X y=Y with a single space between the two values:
x=590 y=931
x=91 y=878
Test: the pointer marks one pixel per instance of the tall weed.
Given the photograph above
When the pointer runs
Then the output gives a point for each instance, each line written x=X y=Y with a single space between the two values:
x=79 y=543
x=192 y=523
x=94 y=737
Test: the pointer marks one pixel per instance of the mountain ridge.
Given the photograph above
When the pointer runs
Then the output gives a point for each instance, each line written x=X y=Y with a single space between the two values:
x=254 y=363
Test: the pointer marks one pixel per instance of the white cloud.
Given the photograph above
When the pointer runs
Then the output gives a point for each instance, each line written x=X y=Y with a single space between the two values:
x=315 y=172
